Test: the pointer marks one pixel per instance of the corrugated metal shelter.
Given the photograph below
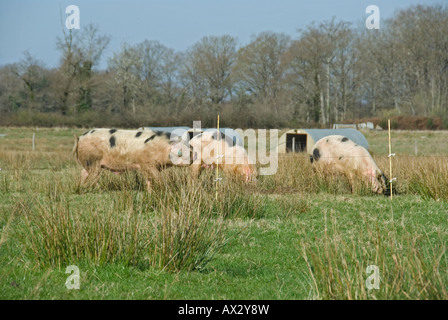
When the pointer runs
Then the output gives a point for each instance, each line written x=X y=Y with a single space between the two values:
x=167 y=129
x=303 y=140
x=187 y=133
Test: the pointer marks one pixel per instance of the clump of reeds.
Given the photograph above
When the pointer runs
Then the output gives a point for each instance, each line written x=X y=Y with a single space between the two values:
x=179 y=225
x=429 y=178
x=409 y=263
x=56 y=232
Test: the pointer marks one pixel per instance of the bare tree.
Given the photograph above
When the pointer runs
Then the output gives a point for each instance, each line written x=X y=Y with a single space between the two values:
x=321 y=62
x=81 y=52
x=308 y=55
x=207 y=68
x=419 y=34
x=33 y=74
x=126 y=66
x=169 y=82
x=339 y=68
x=261 y=66
x=160 y=71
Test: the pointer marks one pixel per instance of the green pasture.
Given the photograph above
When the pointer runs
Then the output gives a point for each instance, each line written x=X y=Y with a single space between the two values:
x=294 y=235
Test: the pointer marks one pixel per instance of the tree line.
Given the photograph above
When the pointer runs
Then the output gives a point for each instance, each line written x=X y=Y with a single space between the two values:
x=327 y=73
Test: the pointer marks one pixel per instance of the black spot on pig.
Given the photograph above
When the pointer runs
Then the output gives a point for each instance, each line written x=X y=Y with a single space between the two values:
x=88 y=132
x=163 y=133
x=138 y=134
x=345 y=139
x=150 y=138
x=112 y=142
x=315 y=156
x=112 y=131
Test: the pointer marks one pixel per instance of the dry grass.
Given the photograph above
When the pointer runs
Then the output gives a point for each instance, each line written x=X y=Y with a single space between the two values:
x=424 y=176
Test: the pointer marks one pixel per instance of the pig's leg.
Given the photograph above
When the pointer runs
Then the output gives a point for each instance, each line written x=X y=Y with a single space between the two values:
x=91 y=175
x=84 y=176
x=151 y=174
x=195 y=170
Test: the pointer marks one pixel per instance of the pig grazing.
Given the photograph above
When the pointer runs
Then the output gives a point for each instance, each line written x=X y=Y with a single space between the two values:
x=233 y=159
x=339 y=154
x=121 y=150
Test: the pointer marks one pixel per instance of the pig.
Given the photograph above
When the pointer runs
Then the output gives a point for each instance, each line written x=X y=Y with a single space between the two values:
x=232 y=158
x=339 y=154
x=121 y=150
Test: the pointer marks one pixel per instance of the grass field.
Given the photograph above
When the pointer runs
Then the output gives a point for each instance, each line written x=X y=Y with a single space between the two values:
x=295 y=235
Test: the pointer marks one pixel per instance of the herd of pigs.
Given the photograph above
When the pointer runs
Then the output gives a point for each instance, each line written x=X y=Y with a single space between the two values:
x=151 y=151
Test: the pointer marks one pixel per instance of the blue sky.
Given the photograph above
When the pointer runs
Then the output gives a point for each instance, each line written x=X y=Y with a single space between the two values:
x=34 y=25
